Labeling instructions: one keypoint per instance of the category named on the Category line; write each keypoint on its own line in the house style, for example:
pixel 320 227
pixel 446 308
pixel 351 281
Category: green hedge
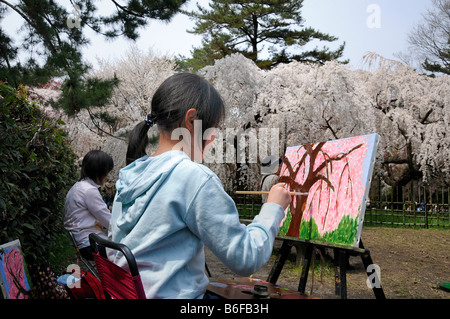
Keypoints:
pixel 36 170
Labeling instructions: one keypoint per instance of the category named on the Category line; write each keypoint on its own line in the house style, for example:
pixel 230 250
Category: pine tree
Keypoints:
pixel 55 37
pixel 246 26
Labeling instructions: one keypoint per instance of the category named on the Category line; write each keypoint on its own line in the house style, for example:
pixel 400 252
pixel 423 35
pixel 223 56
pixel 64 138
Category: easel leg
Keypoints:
pixel 279 263
pixel 340 273
pixel 367 262
pixel 305 269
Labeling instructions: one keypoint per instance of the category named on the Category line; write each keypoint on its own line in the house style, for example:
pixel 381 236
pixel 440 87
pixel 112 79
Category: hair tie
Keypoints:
pixel 148 120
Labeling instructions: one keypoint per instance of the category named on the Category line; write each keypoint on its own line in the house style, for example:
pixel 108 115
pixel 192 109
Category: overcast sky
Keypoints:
pixel 358 24
pixel 381 26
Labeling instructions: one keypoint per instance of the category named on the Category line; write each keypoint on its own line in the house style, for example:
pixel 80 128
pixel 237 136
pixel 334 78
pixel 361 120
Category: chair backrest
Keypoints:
pixel 117 282
pixel 87 263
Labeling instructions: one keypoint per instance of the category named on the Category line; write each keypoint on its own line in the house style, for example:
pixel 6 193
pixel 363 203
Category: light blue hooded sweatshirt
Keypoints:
pixel 166 208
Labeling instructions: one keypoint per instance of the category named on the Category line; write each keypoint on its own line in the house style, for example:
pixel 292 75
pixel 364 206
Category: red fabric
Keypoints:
pixel 89 288
pixel 118 282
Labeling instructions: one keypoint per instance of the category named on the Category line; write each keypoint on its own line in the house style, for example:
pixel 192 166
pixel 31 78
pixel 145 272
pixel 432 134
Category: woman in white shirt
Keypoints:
pixel 85 211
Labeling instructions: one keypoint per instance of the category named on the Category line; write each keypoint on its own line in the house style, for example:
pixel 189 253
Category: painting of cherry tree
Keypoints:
pixel 334 178
pixel 13 277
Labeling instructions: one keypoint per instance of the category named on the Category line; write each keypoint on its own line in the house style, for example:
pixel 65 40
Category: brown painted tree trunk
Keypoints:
pixel 297 215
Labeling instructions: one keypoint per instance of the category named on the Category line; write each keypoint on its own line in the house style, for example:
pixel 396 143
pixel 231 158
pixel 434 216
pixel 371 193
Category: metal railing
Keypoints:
pixel 413 206
pixel 248 205
pixel 421 207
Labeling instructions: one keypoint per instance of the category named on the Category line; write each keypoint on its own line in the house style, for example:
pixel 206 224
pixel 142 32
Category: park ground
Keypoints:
pixel 411 262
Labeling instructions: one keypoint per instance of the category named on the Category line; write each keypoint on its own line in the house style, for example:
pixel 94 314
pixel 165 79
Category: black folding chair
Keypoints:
pixel 90 265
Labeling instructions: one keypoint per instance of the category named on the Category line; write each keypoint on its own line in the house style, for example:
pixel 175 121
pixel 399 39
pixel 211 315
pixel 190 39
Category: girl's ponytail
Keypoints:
pixel 138 140
pixel 174 97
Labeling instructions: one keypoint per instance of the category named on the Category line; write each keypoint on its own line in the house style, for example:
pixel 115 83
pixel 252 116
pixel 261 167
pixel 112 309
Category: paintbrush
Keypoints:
pixel 266 193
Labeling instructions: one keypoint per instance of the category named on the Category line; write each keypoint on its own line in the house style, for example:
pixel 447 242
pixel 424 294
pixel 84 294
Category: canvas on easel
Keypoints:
pixel 13 275
pixel 336 176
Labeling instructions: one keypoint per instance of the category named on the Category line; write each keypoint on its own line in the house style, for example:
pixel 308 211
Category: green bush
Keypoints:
pixel 36 170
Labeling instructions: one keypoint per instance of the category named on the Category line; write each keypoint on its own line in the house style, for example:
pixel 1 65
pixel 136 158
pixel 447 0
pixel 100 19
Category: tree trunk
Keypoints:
pixel 297 215
pixel 254 39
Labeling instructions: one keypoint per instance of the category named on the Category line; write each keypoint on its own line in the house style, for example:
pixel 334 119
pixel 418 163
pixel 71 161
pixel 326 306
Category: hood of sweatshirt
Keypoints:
pixel 144 175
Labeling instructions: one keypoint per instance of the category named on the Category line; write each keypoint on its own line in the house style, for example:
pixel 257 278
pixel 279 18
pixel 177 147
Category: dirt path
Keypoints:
pixel 411 262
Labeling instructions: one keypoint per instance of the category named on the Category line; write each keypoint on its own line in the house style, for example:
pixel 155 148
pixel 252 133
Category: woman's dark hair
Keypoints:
pixel 96 165
pixel 170 103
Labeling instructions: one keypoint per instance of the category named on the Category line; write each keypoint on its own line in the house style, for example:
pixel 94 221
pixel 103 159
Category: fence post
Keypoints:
pixel 392 205
pixel 379 192
pixel 426 206
pixel 403 205
pixel 440 207
pixel 415 191
pixel 253 206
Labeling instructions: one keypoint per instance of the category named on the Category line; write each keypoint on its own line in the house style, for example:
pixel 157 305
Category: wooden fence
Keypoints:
pixel 414 206
pixel 421 207
pixel 248 205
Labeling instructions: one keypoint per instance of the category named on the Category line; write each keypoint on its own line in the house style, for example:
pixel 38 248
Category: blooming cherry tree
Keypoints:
pixel 311 103
pixel 139 73
pixel 412 114
pixel 306 103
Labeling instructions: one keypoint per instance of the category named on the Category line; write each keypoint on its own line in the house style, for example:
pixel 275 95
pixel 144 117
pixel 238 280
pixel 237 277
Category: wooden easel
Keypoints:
pixel 340 253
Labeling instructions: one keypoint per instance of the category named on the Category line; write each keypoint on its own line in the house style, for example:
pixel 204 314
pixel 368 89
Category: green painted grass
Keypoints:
pixel 344 234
